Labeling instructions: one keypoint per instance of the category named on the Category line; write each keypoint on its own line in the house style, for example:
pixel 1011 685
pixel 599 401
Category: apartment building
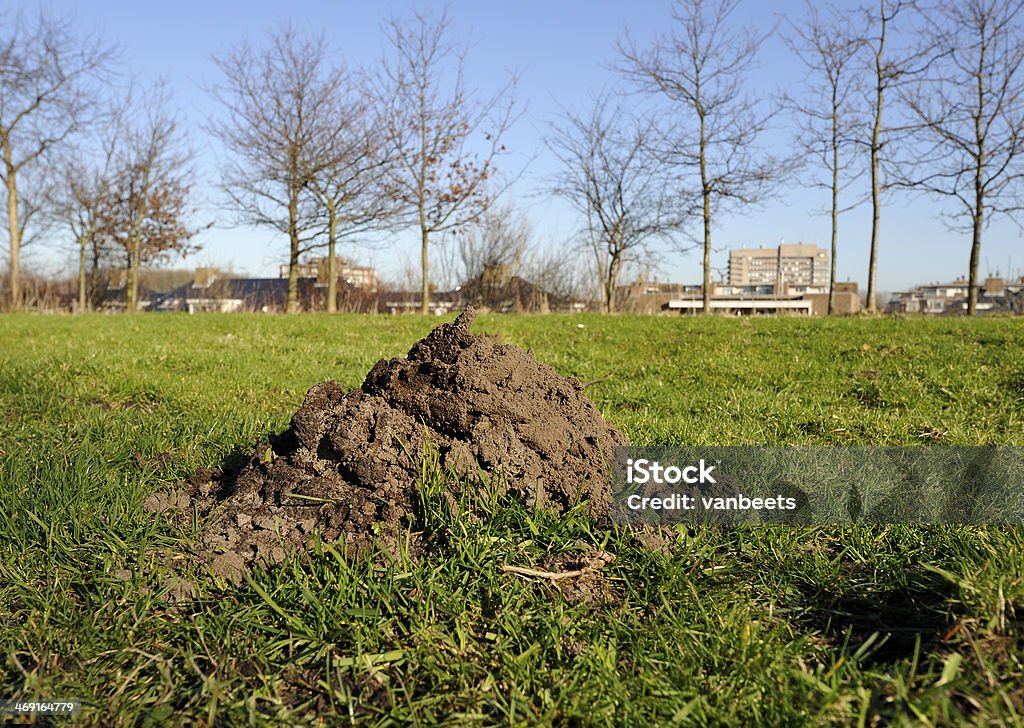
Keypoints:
pixel 801 267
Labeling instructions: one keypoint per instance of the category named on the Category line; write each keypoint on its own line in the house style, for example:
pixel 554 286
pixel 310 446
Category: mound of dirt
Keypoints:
pixel 348 466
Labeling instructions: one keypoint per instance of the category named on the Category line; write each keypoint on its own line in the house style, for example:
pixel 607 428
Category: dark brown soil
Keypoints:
pixel 347 468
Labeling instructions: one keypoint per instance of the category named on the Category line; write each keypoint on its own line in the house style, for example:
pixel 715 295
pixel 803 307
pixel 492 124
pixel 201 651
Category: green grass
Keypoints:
pixel 724 626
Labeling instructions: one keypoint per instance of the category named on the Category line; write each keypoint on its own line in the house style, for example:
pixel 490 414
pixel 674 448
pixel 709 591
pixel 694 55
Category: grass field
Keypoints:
pixel 731 626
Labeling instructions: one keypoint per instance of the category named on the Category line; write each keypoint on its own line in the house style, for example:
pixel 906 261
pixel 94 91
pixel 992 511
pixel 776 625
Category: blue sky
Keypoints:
pixel 561 50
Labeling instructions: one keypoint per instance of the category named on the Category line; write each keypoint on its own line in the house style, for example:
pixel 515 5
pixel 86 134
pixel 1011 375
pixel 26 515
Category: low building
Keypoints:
pixel 650 297
pixel 210 293
pixel 409 302
pixel 495 289
pixel 846 303
pixel 498 289
pixel 744 306
pixel 736 299
pixel 994 295
pixel 933 298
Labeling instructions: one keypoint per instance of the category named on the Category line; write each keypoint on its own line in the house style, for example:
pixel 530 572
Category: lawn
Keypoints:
pixel 701 625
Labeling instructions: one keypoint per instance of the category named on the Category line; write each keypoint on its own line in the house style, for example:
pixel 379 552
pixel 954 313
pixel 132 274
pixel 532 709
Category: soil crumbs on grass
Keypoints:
pixel 347 468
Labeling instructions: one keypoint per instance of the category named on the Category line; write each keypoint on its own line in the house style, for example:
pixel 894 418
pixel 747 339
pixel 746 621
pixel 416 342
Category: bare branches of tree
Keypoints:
pixel 490 253
pixel 700 67
pixel 125 193
pixel 311 150
pixel 275 101
pixel 347 167
pixel 622 192
pixel 84 188
pixel 449 139
pixel 970 110
pixel 827 118
pixel 47 69
pixel 152 185
pixel 87 179
pixel 888 70
pixel 566 277
pixel 498 240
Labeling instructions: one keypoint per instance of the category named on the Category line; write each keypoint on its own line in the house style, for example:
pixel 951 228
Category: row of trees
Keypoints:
pixel 938 109
pixel 111 170
pixel 313 141
pixel 897 96
pixel 315 150
pixel 126 197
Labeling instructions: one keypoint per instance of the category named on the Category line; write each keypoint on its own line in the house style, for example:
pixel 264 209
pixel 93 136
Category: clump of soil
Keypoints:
pixel 348 466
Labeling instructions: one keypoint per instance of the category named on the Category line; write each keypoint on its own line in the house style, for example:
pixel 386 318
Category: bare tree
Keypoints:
pixel 700 68
pixel 276 101
pixel 566 277
pixel 622 192
pixel 79 210
pixel 498 240
pixel 80 203
pixel 124 192
pixel 970 108
pixel 45 97
pixel 448 138
pixel 489 253
pixel 146 216
pixel 828 48
pixel 347 166
pixel 86 176
pixel 37 185
pixel 887 69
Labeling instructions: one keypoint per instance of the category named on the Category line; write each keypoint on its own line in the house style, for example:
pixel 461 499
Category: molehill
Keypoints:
pixel 349 465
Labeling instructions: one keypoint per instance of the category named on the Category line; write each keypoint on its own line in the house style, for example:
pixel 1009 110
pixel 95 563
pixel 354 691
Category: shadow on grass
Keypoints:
pixel 225 476
pixel 880 623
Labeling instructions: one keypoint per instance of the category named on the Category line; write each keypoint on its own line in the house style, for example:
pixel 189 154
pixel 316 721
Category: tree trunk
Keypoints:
pixel 981 161
pixel 706 287
pixel 609 285
pixel 94 274
pixel 875 212
pixel 14 232
pixel 972 283
pixel 136 267
pixel 835 205
pixel 977 223
pixel 135 256
pixel 425 295
pixel 83 241
pixel 332 266
pixel 876 134
pixel 706 194
pixel 131 277
pixel 292 303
